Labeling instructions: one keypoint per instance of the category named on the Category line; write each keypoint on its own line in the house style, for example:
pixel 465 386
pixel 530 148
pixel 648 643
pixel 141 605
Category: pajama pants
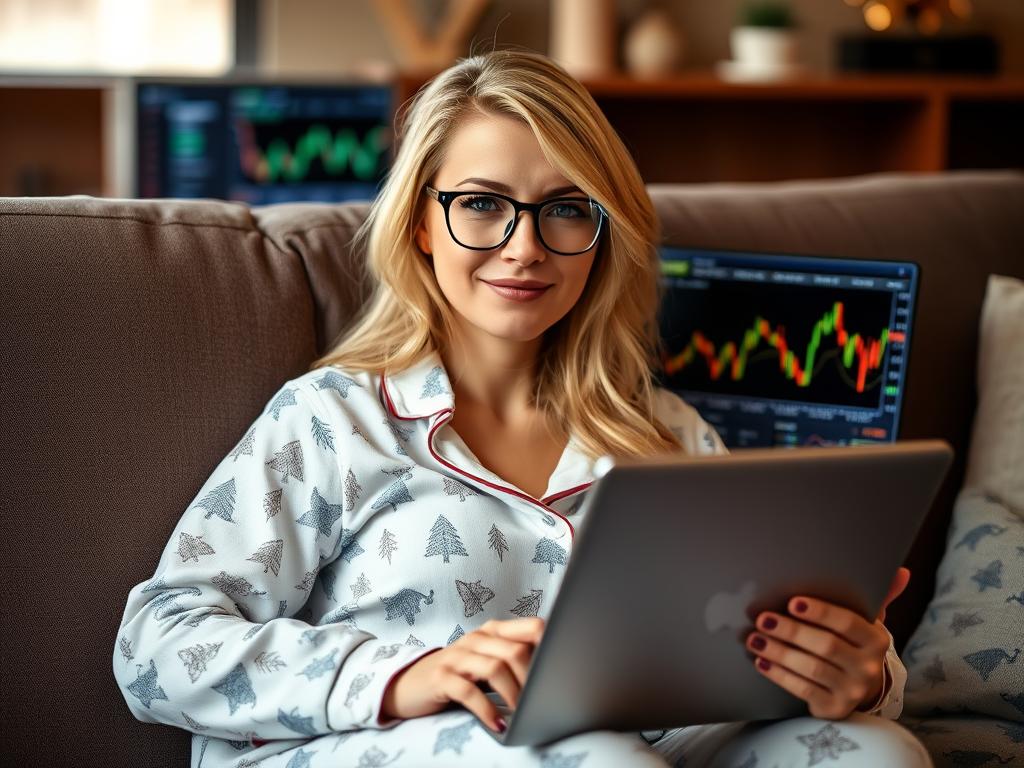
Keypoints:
pixel 455 738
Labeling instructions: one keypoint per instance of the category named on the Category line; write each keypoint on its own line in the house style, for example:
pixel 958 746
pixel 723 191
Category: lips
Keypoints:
pixel 527 285
pixel 518 290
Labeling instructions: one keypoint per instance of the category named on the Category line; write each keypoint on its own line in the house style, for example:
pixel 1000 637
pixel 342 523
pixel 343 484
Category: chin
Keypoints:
pixel 513 331
pixel 518 335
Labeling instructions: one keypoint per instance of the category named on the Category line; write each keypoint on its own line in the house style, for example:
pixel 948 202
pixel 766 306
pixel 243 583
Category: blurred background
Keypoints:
pixel 266 101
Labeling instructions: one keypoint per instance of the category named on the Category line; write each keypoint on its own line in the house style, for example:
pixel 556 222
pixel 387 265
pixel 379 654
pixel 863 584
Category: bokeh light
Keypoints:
pixel 877 16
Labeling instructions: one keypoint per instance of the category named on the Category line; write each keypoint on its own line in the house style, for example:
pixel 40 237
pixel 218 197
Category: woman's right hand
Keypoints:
pixel 498 653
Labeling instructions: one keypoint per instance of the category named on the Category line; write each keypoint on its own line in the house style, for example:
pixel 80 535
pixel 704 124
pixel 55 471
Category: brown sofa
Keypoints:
pixel 142 338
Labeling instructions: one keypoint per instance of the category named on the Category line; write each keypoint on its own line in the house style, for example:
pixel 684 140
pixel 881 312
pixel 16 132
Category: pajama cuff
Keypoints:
pixel 356 698
pixel 891 668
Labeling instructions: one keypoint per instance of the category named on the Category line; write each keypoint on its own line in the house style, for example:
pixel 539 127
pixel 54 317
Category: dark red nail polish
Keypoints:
pixel 799 606
pixel 769 623
pixel 758 643
pixel 764 664
pixel 502 725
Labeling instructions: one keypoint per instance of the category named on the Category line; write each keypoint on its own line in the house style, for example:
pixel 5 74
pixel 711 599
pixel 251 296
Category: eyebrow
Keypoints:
pixel 506 189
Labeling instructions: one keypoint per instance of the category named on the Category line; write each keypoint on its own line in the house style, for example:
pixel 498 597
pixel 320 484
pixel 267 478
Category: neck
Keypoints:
pixel 491 374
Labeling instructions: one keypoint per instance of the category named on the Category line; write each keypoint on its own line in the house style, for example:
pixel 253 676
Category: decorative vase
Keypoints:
pixel 583 36
pixel 654 44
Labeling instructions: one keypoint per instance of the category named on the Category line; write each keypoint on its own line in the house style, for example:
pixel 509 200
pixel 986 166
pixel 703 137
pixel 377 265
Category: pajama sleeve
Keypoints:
pixel 890 701
pixel 211 643
pixel 698 438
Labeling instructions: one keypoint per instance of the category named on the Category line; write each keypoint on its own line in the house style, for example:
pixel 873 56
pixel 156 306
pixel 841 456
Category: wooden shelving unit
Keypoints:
pixel 691 128
pixel 699 128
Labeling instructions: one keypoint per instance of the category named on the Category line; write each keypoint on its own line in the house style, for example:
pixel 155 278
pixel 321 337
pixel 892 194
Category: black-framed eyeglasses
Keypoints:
pixel 483 221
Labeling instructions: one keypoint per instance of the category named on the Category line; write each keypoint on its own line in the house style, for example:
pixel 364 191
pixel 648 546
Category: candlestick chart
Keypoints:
pixel 809 344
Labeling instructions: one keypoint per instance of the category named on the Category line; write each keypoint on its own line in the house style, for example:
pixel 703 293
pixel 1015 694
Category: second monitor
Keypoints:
pixel 782 350
pixel 261 142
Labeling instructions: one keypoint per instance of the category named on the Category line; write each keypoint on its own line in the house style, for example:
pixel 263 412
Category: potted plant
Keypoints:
pixel 764 42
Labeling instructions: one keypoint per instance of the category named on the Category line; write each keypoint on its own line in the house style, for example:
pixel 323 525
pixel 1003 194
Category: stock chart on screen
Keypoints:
pixel 262 143
pixel 782 350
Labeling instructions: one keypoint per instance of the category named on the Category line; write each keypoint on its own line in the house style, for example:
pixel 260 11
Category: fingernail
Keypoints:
pixel 764 664
pixel 769 623
pixel 502 725
pixel 758 643
pixel 799 606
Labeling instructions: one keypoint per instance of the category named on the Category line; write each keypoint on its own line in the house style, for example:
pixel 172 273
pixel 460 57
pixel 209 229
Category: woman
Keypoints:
pixel 369 555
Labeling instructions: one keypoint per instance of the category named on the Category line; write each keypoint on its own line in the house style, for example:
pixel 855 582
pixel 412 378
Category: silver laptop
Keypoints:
pixel 678 555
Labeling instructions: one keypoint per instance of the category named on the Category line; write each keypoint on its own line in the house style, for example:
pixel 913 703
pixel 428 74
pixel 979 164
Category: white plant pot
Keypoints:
pixel 763 48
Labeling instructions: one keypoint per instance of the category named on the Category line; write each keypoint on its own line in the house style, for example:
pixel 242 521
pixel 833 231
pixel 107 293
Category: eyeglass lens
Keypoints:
pixel 483 221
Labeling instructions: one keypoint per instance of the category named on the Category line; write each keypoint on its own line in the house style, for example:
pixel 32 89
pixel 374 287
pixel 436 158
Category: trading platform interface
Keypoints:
pixel 778 350
pixel 262 144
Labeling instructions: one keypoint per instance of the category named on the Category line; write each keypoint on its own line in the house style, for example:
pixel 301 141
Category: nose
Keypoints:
pixel 524 246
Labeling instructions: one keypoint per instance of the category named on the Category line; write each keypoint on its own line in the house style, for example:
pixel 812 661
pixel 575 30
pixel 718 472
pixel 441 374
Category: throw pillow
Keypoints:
pixel 967 655
pixel 957 742
pixel 996 459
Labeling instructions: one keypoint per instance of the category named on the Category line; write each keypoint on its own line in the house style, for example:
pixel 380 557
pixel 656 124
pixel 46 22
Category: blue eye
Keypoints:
pixel 479 203
pixel 566 211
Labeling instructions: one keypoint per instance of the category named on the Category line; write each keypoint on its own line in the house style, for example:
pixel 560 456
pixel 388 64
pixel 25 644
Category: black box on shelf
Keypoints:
pixel 976 54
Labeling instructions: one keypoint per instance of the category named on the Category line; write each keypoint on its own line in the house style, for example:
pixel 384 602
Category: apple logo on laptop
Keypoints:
pixel 729 610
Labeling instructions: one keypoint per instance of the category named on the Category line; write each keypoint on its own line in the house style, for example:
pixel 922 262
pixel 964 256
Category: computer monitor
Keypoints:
pixel 784 350
pixel 261 142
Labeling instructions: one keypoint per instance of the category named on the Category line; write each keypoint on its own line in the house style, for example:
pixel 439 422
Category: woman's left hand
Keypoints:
pixel 827 655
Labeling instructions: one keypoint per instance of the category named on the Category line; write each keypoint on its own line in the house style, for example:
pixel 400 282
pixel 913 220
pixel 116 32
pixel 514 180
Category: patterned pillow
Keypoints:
pixel 956 742
pixel 967 655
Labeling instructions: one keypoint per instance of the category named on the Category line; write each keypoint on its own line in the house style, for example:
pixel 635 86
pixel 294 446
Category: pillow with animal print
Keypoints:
pixel 965 741
pixel 967 655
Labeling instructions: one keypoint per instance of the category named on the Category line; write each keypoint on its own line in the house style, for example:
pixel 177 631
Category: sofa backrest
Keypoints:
pixel 143 337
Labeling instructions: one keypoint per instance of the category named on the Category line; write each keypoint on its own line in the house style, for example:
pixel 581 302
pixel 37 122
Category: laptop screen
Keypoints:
pixel 781 350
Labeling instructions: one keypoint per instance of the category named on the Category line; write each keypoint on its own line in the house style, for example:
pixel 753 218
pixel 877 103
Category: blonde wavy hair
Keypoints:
pixel 594 377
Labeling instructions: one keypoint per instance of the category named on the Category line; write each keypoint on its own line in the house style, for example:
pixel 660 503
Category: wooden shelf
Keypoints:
pixel 55 133
pixel 701 83
pixel 697 127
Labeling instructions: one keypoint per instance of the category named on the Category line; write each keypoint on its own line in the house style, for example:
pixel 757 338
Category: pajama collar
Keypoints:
pixel 423 391
pixel 420 391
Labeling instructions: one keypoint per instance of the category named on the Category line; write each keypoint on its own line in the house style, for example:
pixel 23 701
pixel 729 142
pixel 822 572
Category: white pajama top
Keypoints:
pixel 350 532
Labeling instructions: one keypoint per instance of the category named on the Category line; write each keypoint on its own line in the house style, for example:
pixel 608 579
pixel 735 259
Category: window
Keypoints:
pixel 193 37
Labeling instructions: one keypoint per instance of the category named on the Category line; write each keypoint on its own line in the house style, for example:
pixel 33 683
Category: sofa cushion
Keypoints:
pixel 997 440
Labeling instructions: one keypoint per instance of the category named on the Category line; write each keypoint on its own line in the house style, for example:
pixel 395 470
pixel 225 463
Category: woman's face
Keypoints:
pixel 499 154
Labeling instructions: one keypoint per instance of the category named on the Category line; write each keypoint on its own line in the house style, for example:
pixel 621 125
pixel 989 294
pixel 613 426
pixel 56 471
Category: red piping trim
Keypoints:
pixel 391 405
pixel 430 445
pixel 512 491
pixel 568 492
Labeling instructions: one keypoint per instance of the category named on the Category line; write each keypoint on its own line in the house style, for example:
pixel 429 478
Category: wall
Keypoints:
pixel 336 36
